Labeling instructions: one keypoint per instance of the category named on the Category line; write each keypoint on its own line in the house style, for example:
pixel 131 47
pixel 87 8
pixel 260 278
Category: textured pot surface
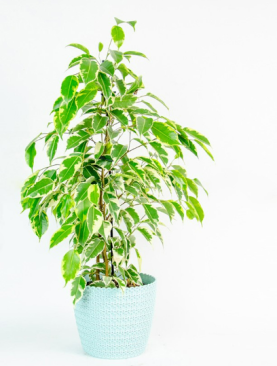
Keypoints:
pixel 113 325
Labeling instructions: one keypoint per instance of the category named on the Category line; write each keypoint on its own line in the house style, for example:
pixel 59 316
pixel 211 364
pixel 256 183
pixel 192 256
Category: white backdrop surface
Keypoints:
pixel 215 65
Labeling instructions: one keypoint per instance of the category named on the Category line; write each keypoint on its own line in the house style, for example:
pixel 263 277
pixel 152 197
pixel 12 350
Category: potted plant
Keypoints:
pixel 121 154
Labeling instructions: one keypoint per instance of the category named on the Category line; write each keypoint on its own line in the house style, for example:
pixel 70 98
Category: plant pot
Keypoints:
pixel 113 325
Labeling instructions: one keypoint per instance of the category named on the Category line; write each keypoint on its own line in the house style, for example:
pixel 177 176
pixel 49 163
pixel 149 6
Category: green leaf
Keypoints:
pixel 118 151
pixel 76 60
pixel 132 23
pixel 113 133
pixel 113 204
pixel 204 147
pixel 197 135
pixel 58 102
pixel 88 70
pixel 137 168
pixel 61 234
pixel 105 84
pixel 151 213
pixel 197 207
pixel 107 67
pixel 105 229
pixel 40 188
pixel 169 208
pixel 139 258
pixel 188 144
pixel 75 140
pixel 124 102
pixel 100 266
pixel 82 232
pixel 179 209
pixel 52 146
pixel 136 85
pixel 66 202
pixel 94 219
pixel 165 134
pixel 28 183
pixel 107 280
pixel 146 233
pixel 117 56
pixel 158 99
pixel 118 35
pixel 120 116
pixel 69 87
pixel 121 86
pixel 94 248
pixel 94 193
pixel 124 70
pixel 134 275
pixel 30 153
pixel 64 115
pixel 134 53
pixel 82 190
pixel 121 283
pixel 197 181
pixel 149 106
pixel 39 223
pixel 82 209
pixel 79 46
pixel 86 95
pixel 68 167
pixel 85 123
pixel 98 122
pixel 192 186
pixel 163 155
pixel 99 149
pixel 71 265
pixel 100 46
pixel 144 124
pixel 77 289
pixel 132 212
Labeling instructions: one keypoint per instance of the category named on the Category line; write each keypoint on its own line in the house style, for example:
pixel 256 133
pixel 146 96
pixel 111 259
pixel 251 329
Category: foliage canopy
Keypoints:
pixel 105 191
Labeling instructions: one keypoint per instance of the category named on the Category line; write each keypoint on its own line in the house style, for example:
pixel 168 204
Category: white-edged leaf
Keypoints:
pixel 165 134
pixel 61 234
pixel 98 122
pixel 157 98
pixel 93 193
pixel 82 190
pixel 105 84
pixel 69 87
pixel 107 67
pixel 52 146
pixel 94 248
pixel 197 135
pixel 71 265
pixel 118 151
pixel 77 288
pixel 79 46
pixel 86 95
pixel 118 35
pixel 69 166
pixel 75 140
pixel 40 188
pixel 88 70
pixel 94 219
pixel 144 124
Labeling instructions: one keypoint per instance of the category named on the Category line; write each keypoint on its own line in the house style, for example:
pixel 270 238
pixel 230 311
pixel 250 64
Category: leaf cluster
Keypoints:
pixel 105 191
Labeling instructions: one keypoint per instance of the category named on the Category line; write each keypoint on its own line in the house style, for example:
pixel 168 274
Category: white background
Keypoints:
pixel 215 64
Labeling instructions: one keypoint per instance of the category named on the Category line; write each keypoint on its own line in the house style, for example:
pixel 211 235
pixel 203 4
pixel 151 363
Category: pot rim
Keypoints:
pixel 137 288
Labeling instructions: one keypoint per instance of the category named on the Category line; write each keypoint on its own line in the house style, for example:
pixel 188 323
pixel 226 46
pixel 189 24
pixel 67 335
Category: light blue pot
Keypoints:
pixel 113 325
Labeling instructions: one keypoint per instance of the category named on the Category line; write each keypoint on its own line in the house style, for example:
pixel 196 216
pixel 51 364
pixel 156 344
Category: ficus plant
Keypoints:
pixel 121 154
